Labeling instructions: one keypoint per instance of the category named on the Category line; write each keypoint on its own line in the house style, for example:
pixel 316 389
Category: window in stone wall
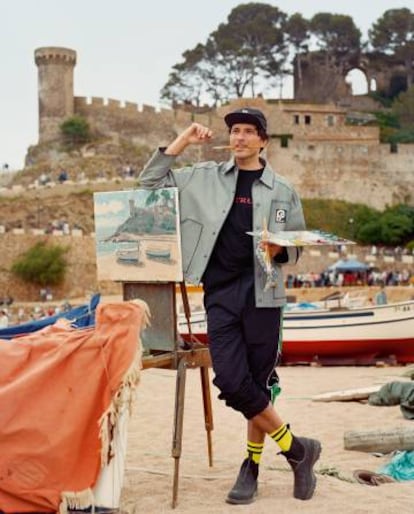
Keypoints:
pixel 308 119
pixel 394 147
pixel 330 120
pixel 296 119
pixel 284 139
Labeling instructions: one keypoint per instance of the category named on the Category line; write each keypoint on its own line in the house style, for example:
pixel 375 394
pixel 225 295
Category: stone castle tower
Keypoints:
pixel 55 85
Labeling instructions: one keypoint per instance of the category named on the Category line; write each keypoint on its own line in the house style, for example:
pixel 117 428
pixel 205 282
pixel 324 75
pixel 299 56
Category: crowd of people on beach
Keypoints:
pixel 328 278
pixel 55 178
pixel 17 314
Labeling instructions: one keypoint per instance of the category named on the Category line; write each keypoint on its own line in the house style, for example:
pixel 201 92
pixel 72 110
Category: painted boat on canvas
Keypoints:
pixel 362 335
pixel 129 255
pixel 158 252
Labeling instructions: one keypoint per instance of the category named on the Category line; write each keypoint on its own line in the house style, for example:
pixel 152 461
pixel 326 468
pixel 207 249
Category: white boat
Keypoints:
pixel 356 335
pixel 335 300
pixel 129 255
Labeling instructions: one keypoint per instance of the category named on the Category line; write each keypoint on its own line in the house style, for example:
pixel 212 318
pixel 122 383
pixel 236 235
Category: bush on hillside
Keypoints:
pixel 75 130
pixel 42 264
pixel 363 224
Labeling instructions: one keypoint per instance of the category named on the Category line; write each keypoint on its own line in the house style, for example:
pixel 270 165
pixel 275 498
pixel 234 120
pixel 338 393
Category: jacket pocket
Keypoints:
pixel 190 238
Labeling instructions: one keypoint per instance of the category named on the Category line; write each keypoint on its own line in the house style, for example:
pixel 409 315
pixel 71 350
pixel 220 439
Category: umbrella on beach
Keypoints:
pixel 344 265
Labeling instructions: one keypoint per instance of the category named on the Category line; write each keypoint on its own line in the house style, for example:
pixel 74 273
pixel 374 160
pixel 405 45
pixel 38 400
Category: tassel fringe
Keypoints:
pixel 124 397
pixel 71 500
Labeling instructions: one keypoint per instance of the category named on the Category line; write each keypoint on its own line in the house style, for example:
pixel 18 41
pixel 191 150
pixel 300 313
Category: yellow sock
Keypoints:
pixel 283 437
pixel 254 451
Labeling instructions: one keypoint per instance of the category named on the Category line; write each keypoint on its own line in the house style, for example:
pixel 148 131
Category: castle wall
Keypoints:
pixel 139 125
pixel 324 158
pixel 359 173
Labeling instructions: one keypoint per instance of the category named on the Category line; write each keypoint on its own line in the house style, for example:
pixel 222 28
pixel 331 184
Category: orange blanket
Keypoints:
pixel 57 387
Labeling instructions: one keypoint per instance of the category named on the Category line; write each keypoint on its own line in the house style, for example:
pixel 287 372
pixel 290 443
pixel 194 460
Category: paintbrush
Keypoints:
pixel 229 147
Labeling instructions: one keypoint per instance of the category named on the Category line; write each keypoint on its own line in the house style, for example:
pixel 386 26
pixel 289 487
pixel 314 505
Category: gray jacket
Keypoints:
pixel 206 194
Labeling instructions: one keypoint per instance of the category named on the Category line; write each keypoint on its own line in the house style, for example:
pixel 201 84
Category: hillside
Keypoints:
pixel 99 166
pixel 70 202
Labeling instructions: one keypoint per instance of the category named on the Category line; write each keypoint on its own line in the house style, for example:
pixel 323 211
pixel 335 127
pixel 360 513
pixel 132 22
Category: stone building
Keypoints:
pixel 310 143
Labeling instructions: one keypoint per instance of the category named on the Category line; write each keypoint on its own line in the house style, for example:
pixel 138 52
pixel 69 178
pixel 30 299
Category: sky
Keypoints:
pixel 125 49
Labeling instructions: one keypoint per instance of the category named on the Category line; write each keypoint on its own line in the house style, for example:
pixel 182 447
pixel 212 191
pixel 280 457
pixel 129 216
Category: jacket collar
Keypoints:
pixel 267 175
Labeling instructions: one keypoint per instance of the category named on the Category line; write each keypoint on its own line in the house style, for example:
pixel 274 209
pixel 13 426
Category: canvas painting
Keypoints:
pixel 138 235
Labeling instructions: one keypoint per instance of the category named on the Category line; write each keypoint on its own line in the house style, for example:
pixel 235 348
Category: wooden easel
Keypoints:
pixel 162 349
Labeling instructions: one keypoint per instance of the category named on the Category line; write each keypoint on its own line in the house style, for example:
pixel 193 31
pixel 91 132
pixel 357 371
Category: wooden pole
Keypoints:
pixel 208 411
pixel 178 425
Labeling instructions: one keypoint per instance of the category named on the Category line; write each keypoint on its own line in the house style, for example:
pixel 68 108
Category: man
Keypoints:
pixel 381 296
pixel 219 203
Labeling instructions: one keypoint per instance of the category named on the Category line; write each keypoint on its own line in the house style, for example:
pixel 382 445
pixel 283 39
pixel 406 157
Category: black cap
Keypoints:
pixel 246 115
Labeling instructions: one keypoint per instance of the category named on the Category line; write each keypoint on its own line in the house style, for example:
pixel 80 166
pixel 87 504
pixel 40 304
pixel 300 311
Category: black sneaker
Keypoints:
pixel 304 476
pixel 245 487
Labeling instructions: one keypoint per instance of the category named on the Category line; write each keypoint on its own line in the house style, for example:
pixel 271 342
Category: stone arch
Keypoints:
pixel 358 81
pixel 323 80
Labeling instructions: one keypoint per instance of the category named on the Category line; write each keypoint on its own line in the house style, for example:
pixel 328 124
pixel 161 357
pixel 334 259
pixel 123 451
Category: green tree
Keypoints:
pixel 247 51
pixel 187 82
pixel 42 265
pixel 394 226
pixel 401 136
pixel 297 28
pixel 403 108
pixel 397 125
pixel 75 130
pixel 153 198
pixel 370 232
pixel 393 33
pixel 168 200
pixel 389 125
pixel 336 34
pixel 254 39
pixel 338 40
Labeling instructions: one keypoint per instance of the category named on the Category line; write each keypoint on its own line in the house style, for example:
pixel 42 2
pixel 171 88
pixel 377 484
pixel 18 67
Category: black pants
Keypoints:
pixel 244 345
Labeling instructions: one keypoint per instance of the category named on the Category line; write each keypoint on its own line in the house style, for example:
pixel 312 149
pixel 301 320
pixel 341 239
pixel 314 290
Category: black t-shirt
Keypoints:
pixel 233 252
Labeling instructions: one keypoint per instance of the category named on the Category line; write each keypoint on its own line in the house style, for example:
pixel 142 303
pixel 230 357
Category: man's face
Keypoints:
pixel 245 140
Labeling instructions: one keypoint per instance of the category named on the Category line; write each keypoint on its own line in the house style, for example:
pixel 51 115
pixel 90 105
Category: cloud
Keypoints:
pixel 112 207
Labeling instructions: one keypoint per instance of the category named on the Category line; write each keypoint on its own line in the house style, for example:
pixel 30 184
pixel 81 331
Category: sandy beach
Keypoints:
pixel 149 465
